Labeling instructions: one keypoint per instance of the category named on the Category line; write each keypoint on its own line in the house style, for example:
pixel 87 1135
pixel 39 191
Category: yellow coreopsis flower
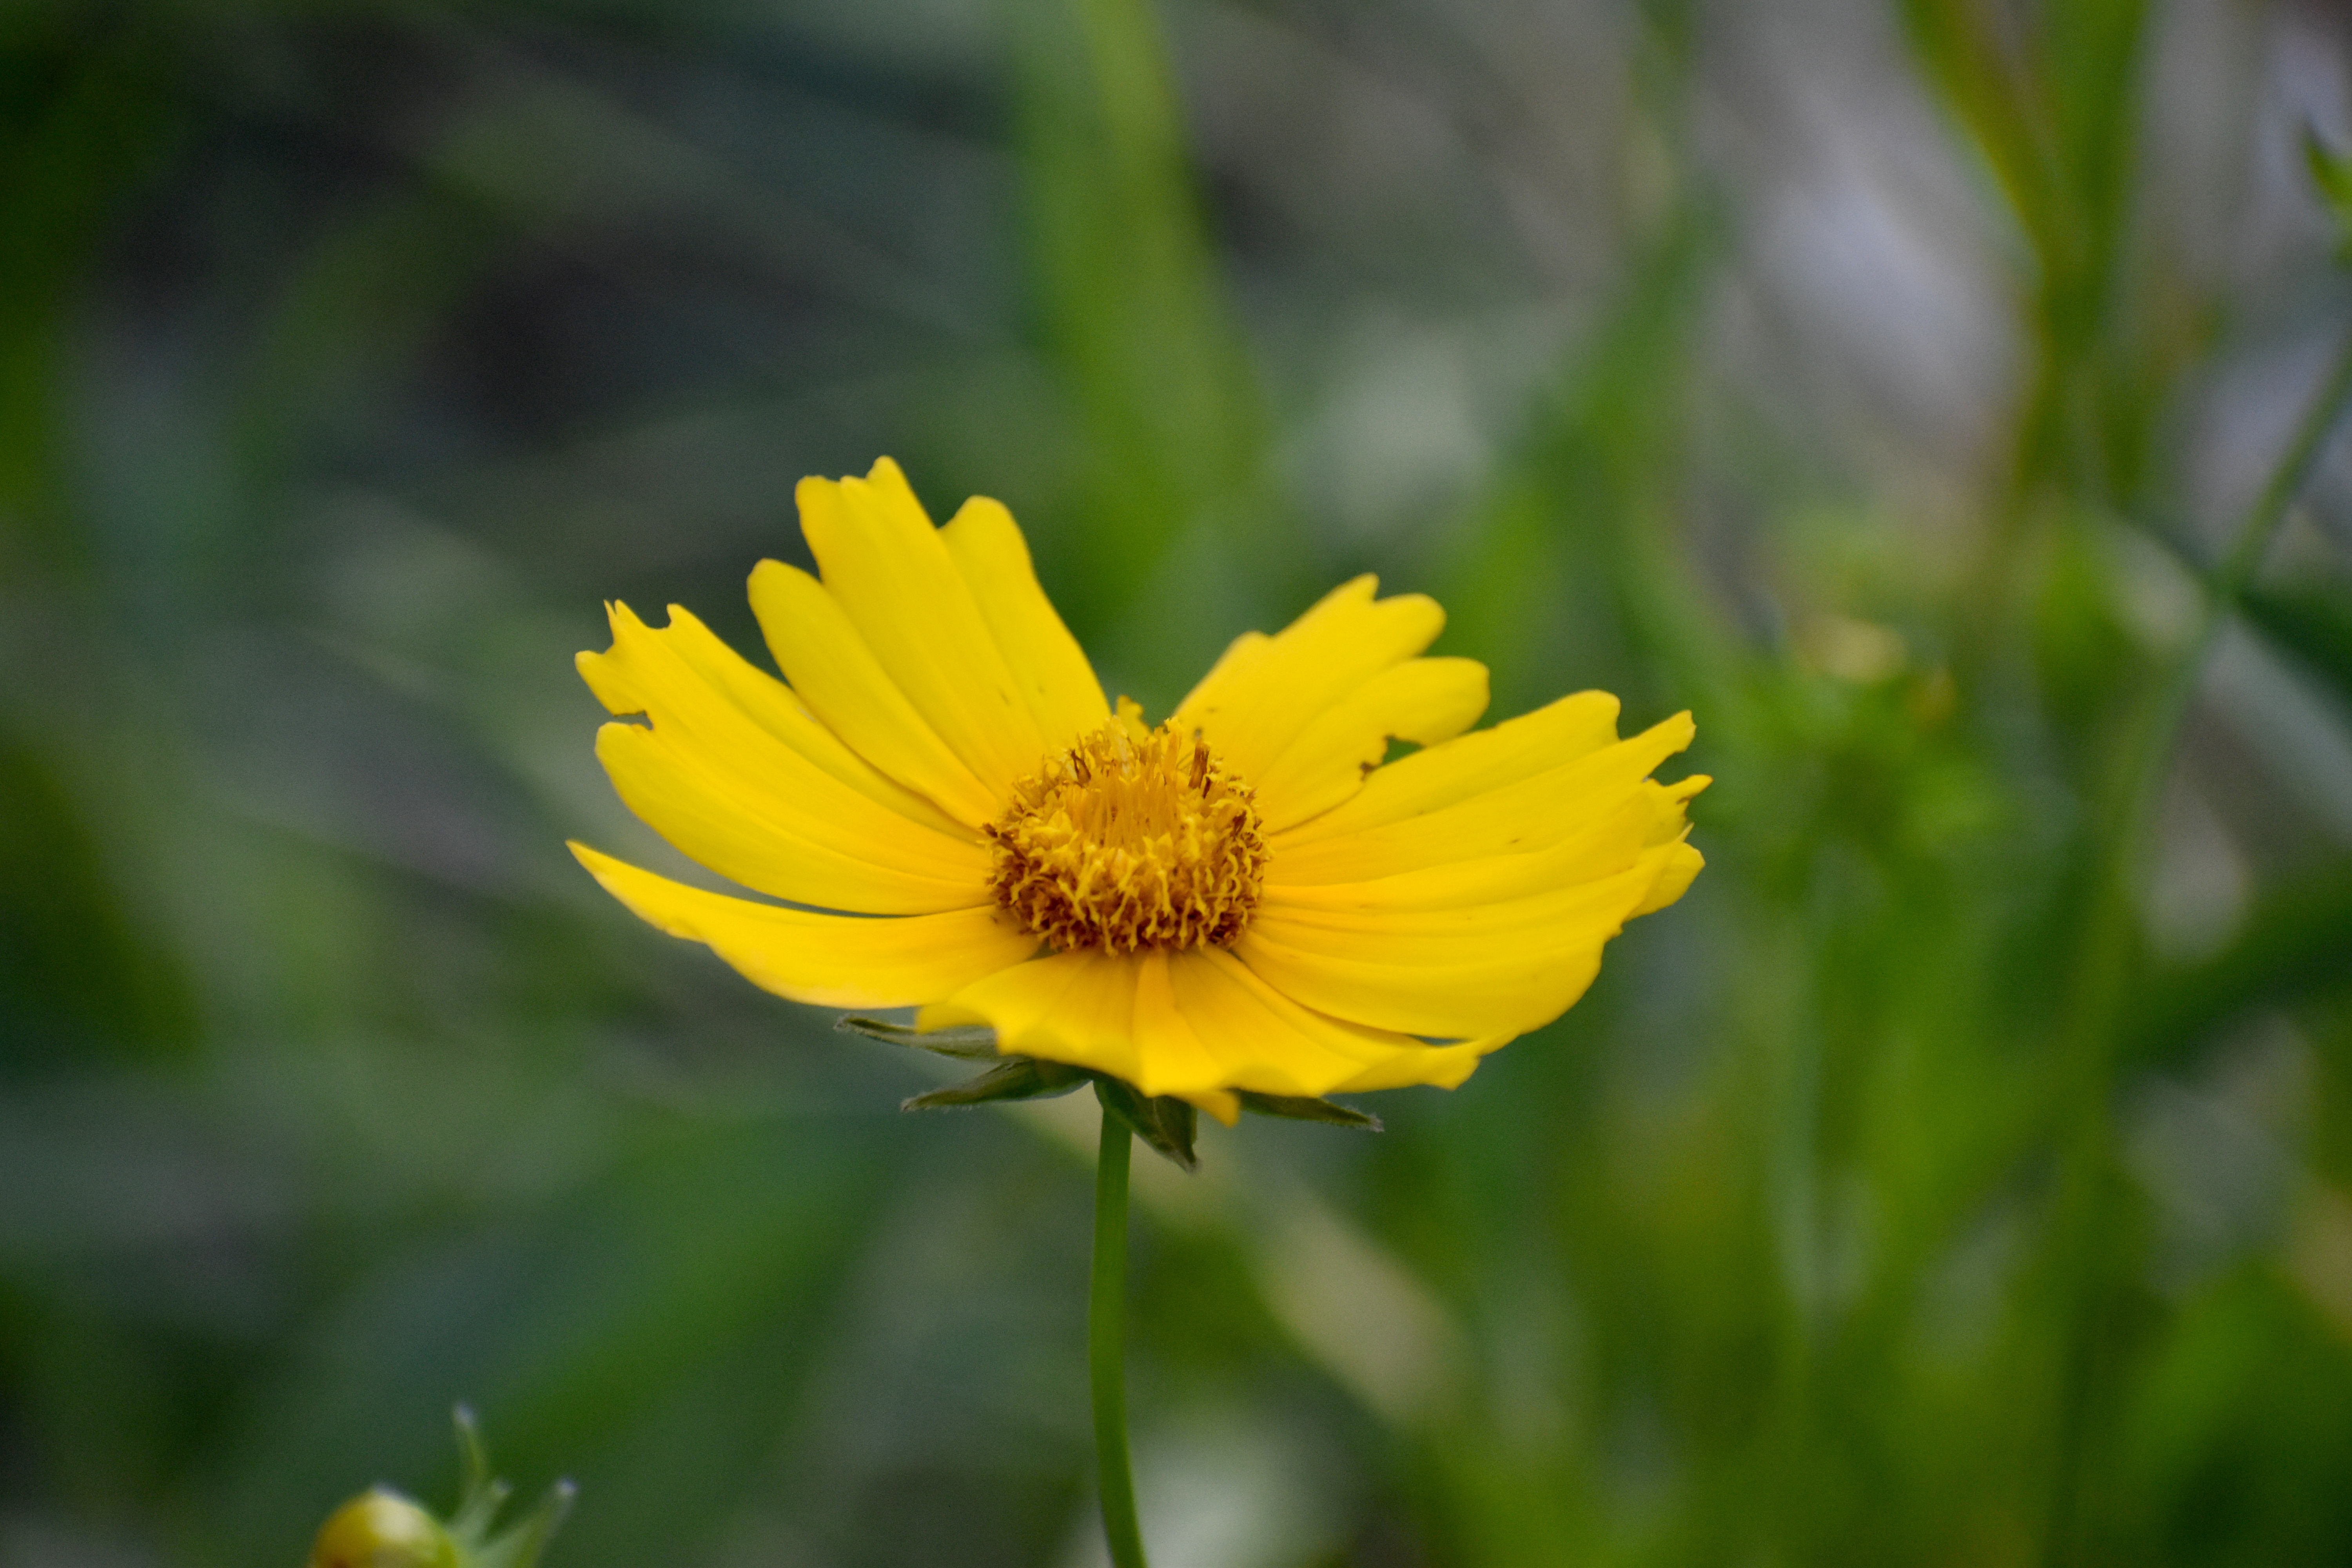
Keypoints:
pixel 1243 898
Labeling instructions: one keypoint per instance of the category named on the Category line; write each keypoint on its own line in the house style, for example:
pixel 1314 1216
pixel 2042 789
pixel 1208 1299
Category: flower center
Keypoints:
pixel 1130 839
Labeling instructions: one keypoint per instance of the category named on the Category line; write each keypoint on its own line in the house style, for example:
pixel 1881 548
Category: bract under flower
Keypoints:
pixel 1244 899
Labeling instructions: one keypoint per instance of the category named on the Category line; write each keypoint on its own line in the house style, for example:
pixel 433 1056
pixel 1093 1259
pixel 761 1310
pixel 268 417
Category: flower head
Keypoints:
pixel 1243 898
pixel 1130 841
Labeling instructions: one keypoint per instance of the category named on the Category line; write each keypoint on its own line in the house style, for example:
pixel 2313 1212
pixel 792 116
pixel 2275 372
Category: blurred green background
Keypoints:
pixel 1962 1173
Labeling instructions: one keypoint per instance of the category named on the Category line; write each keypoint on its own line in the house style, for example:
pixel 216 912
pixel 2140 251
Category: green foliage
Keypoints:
pixel 1944 405
pixel 2331 173
pixel 2312 624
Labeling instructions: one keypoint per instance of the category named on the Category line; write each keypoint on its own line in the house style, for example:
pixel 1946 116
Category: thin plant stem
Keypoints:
pixel 1106 1365
pixel 2311 442
pixel 2147 753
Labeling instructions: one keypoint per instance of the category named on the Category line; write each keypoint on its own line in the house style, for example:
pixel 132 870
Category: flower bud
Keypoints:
pixel 380 1529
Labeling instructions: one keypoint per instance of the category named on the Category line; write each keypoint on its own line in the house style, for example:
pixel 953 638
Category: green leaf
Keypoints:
pixel 2296 943
pixel 1297 1108
pixel 2331 171
pixel 2312 626
pixel 1138 323
pixel 1014 1078
pixel 1166 1124
pixel 975 1043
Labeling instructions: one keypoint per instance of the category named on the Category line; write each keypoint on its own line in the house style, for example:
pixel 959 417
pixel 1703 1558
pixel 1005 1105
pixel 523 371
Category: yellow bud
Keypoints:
pixel 380 1529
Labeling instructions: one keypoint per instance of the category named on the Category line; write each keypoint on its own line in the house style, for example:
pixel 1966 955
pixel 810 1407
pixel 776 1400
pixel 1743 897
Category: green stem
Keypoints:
pixel 2311 441
pixel 1105 1365
pixel 2147 753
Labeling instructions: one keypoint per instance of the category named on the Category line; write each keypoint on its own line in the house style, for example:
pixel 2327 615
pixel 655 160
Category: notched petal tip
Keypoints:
pixel 1678 870
pixel 885 472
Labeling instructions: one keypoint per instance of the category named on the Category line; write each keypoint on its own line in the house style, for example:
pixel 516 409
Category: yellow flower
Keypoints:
pixel 1245 898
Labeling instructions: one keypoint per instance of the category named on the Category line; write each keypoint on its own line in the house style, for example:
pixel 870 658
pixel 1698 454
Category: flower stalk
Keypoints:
pixel 1106 1365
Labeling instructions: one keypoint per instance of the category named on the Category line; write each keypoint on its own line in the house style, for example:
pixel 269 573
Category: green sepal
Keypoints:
pixel 1163 1121
pixel 518 1546
pixel 481 1494
pixel 1299 1108
pixel 1168 1125
pixel 1012 1078
pixel 2332 171
pixel 973 1043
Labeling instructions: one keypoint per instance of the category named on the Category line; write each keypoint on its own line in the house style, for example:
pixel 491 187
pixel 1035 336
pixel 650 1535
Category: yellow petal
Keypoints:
pixel 750 832
pixel 735 794
pixel 1678 794
pixel 1051 669
pixel 1105 1012
pixel 888 570
pixel 1472 764
pixel 766 700
pixel 828 663
pixel 1443 1066
pixel 1240 654
pixel 1270 1043
pixel 1264 691
pixel 1074 1007
pixel 833 961
pixel 1194 1024
pixel 1171 1052
pixel 1530 813
pixel 1669 825
pixel 1603 845
pixel 1683 865
pixel 1494 969
pixel 1424 701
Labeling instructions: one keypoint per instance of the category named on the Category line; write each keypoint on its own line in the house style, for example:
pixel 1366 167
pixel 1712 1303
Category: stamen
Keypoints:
pixel 1130 840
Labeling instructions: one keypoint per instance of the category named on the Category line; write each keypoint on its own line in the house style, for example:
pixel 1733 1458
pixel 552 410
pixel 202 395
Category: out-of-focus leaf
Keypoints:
pixel 669 1309
pixel 2331 171
pixel 2296 943
pixel 2053 102
pixel 1297 1108
pixel 82 126
pixel 1015 1077
pixel 1168 1124
pixel 78 980
pixel 1135 309
pixel 2313 626
pixel 976 1043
